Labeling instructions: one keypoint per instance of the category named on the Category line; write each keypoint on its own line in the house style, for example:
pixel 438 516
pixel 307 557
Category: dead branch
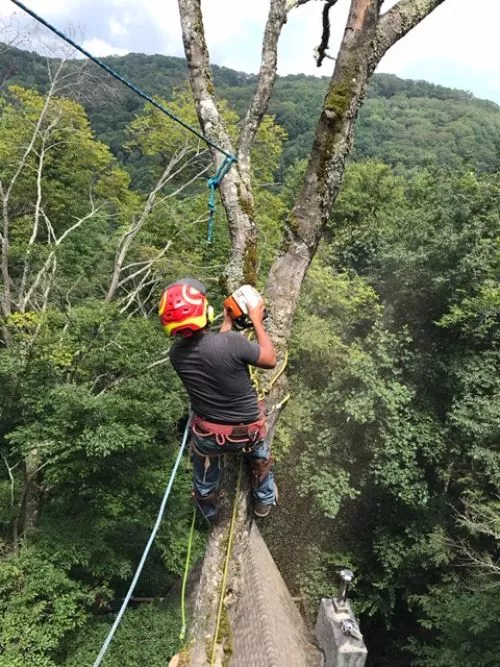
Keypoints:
pixel 12 481
pixel 325 38
pixel 147 265
pixel 48 266
pixel 143 283
pixel 142 301
pixel 169 173
pixel 38 207
pixel 482 563
pixel 481 519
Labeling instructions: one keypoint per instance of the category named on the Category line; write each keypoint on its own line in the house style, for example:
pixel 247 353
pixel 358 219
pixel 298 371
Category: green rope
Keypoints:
pixel 214 181
pixel 226 563
pixel 182 634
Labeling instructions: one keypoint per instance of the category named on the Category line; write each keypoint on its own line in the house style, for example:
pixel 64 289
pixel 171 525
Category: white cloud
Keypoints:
pixel 117 28
pixel 100 48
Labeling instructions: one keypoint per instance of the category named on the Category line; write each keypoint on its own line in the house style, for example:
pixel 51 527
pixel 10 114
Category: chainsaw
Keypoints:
pixel 238 303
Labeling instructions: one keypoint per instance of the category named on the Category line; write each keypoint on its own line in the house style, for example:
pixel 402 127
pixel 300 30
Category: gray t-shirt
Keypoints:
pixel 213 369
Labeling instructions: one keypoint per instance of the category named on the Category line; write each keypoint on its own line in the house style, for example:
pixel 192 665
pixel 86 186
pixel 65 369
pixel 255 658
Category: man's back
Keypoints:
pixel 213 368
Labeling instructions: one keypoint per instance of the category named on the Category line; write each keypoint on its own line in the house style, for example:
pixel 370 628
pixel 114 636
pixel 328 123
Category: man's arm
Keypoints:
pixel 227 324
pixel 267 355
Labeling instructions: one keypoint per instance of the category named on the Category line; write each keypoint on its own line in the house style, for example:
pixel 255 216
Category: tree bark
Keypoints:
pixel 366 40
pixel 267 75
pixel 235 189
pixel 398 21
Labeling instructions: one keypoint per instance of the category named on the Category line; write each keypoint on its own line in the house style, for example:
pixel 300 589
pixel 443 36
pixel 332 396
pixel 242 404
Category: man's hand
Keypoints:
pixel 267 356
pixel 256 313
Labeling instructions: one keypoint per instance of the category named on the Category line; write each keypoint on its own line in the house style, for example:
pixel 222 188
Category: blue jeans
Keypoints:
pixel 206 458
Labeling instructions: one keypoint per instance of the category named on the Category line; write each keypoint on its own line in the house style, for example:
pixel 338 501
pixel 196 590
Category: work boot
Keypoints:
pixel 208 506
pixel 261 510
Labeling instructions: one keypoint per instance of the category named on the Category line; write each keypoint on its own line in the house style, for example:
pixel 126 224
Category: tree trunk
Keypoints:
pixel 325 169
pixel 366 39
pixel 235 189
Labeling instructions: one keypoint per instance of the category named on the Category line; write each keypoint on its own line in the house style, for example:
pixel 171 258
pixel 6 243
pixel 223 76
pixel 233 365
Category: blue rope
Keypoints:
pixel 126 82
pixel 213 183
pixel 146 550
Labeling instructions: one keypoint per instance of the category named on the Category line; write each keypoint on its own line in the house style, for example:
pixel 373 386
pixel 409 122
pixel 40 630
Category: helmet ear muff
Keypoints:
pixel 210 314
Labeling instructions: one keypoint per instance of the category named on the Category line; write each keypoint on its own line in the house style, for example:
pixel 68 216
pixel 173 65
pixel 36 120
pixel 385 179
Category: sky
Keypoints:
pixel 456 46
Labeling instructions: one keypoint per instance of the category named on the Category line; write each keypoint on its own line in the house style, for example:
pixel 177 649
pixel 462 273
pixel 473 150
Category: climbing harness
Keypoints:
pixel 138 571
pixel 232 433
pixel 213 182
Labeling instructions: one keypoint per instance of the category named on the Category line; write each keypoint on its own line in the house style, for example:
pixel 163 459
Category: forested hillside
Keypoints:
pixel 404 123
pixel 388 450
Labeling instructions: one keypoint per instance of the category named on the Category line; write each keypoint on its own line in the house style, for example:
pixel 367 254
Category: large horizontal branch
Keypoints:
pixel 396 22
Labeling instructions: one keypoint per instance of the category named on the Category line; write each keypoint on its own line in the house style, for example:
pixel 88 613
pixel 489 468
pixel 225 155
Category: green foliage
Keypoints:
pixel 395 414
pixel 89 408
pixel 73 162
pixel 148 635
pixel 459 623
pixel 90 405
pixel 40 605
pixel 404 123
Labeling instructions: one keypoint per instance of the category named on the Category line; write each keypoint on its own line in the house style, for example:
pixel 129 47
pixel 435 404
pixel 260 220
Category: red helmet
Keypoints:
pixel 184 308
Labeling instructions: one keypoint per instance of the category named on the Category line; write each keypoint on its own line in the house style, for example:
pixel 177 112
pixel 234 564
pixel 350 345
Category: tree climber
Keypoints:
pixel 213 367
